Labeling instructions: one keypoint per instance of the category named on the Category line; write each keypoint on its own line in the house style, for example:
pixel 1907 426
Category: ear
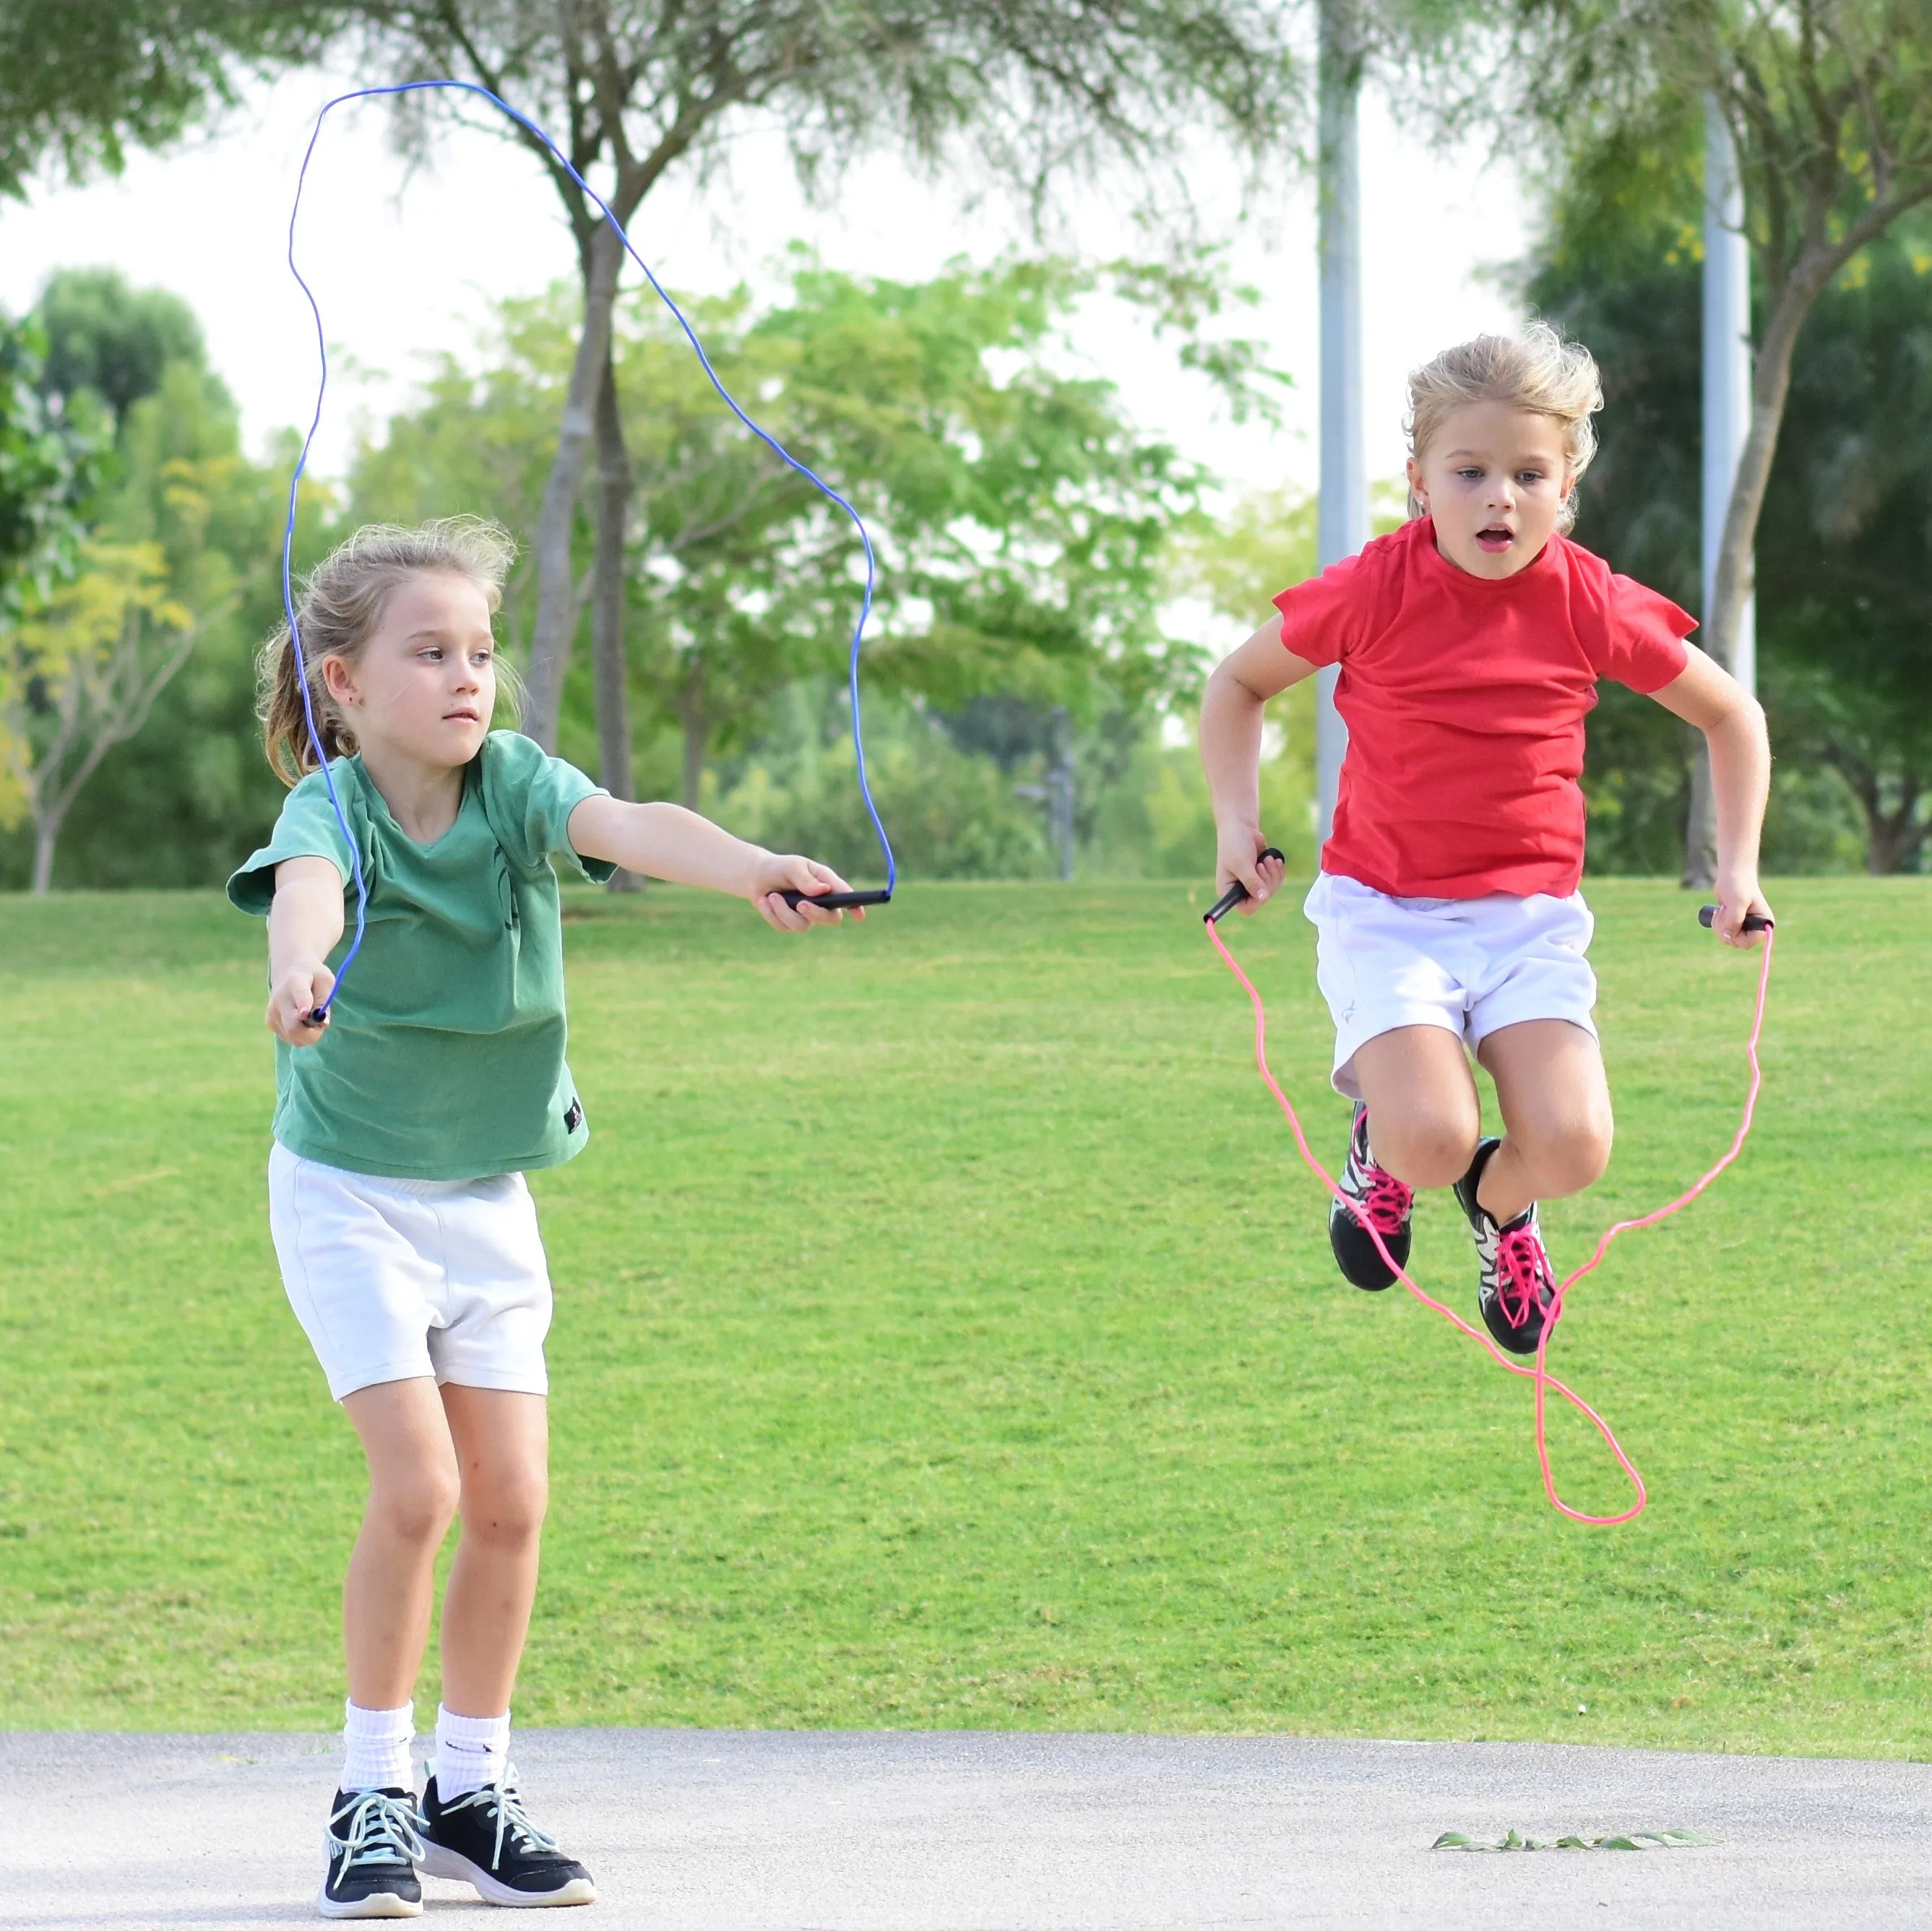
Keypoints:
pixel 337 681
pixel 1417 487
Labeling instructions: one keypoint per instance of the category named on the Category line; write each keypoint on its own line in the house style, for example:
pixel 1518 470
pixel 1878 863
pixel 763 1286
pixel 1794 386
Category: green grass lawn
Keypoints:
pixel 946 1335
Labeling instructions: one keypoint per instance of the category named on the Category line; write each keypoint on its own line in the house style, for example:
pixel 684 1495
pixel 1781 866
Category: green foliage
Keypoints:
pixel 947 1337
pixel 178 802
pixel 950 814
pixel 48 468
pixel 81 79
pixel 1033 94
pixel 1021 525
pixel 112 341
pixel 1845 545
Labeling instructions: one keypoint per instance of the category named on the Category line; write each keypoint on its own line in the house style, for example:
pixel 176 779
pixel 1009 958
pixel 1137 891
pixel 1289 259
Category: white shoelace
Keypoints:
pixel 512 1820
pixel 382 1831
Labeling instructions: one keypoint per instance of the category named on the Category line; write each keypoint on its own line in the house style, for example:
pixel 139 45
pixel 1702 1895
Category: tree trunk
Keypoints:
pixel 47 829
pixel 1059 785
pixel 609 665
pixel 1892 838
pixel 697 734
pixel 1737 570
pixel 556 623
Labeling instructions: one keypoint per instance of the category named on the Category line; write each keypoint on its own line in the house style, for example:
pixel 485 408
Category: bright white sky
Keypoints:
pixel 404 264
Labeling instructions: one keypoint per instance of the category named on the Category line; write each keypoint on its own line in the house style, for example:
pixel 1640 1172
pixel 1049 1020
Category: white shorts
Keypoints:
pixel 1471 966
pixel 393 1278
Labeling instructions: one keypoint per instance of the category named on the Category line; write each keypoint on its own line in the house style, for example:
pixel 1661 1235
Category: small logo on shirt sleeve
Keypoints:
pixel 573 1115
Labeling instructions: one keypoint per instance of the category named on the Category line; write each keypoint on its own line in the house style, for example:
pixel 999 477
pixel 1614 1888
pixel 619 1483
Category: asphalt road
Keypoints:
pixel 981 1831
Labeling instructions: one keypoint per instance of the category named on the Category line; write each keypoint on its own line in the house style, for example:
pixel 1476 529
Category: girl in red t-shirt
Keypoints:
pixel 1469 645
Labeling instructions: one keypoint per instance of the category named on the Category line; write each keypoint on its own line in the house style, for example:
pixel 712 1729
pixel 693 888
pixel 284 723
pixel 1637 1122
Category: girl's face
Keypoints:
pixel 424 685
pixel 1494 478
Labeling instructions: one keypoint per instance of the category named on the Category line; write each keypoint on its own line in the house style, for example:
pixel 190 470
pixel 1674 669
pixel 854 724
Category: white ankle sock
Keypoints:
pixel 375 1745
pixel 470 1752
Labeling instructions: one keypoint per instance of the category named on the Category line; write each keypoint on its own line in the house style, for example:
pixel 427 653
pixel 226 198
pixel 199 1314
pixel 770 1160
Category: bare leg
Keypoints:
pixel 1423 1117
pixel 1556 1115
pixel 413 1495
pixel 502 1446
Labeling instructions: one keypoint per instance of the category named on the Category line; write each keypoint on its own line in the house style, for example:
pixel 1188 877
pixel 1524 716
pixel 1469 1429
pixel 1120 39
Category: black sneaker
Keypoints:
pixel 484 1838
pixel 1380 1199
pixel 372 1847
pixel 1517 1287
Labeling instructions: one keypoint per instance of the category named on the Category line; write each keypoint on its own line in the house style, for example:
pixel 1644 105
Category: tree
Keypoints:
pixel 1846 626
pixel 641 87
pixel 1847 542
pixel 48 468
pixel 172 803
pixel 79 676
pixel 111 340
pixel 1829 103
pixel 1020 519
pixel 81 80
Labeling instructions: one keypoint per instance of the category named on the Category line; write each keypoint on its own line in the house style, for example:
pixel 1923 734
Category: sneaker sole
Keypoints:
pixel 377 1904
pixel 1341 1224
pixel 1511 1338
pixel 438 1861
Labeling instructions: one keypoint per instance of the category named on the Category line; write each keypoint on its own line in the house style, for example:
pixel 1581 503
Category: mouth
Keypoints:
pixel 465 716
pixel 1496 538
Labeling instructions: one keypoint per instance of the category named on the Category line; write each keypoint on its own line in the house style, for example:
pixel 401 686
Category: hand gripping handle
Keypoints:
pixel 1236 892
pixel 1707 917
pixel 834 902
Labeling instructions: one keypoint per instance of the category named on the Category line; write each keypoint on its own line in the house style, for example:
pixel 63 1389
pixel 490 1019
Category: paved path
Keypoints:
pixel 779 1831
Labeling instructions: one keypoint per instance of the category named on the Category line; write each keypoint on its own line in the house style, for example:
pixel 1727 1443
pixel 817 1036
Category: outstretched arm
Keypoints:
pixel 1231 755
pixel 1705 695
pixel 668 841
pixel 305 922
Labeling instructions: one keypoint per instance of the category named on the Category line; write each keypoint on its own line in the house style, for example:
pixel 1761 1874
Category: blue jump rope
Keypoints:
pixel 829 899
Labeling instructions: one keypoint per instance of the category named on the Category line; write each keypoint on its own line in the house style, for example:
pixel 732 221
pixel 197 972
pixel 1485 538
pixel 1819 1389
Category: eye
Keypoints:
pixel 1529 476
pixel 431 653
pixel 1470 475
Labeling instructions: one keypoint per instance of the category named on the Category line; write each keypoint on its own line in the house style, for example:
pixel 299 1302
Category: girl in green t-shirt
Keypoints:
pixel 404 1123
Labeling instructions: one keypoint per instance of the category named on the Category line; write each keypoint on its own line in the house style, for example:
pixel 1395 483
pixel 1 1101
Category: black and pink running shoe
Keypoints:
pixel 1517 1287
pixel 1380 1200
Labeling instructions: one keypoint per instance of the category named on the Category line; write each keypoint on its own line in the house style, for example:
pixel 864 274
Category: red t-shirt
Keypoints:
pixel 1465 698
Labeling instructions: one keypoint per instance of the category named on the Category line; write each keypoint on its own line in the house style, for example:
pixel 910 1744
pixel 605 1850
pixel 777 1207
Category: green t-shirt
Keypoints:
pixel 443 1060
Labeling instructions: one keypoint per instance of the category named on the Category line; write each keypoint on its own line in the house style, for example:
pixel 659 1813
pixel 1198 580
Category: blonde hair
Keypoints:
pixel 1537 370
pixel 342 602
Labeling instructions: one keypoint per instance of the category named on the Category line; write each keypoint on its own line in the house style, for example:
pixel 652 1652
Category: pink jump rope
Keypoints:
pixel 1545 1381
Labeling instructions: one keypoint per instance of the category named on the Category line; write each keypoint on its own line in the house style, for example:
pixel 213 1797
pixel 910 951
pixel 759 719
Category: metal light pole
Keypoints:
pixel 1343 522
pixel 1727 364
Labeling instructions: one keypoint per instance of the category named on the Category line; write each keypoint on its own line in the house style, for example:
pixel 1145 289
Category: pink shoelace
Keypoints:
pixel 1546 1382
pixel 1523 1271
pixel 1388 1202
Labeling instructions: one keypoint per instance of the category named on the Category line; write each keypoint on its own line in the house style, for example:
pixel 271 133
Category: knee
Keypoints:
pixel 418 1507
pixel 1424 1149
pixel 508 1508
pixel 1568 1162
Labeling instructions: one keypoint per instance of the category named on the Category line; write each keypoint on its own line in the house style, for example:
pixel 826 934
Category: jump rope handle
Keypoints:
pixel 1236 892
pixel 835 902
pixel 1707 917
